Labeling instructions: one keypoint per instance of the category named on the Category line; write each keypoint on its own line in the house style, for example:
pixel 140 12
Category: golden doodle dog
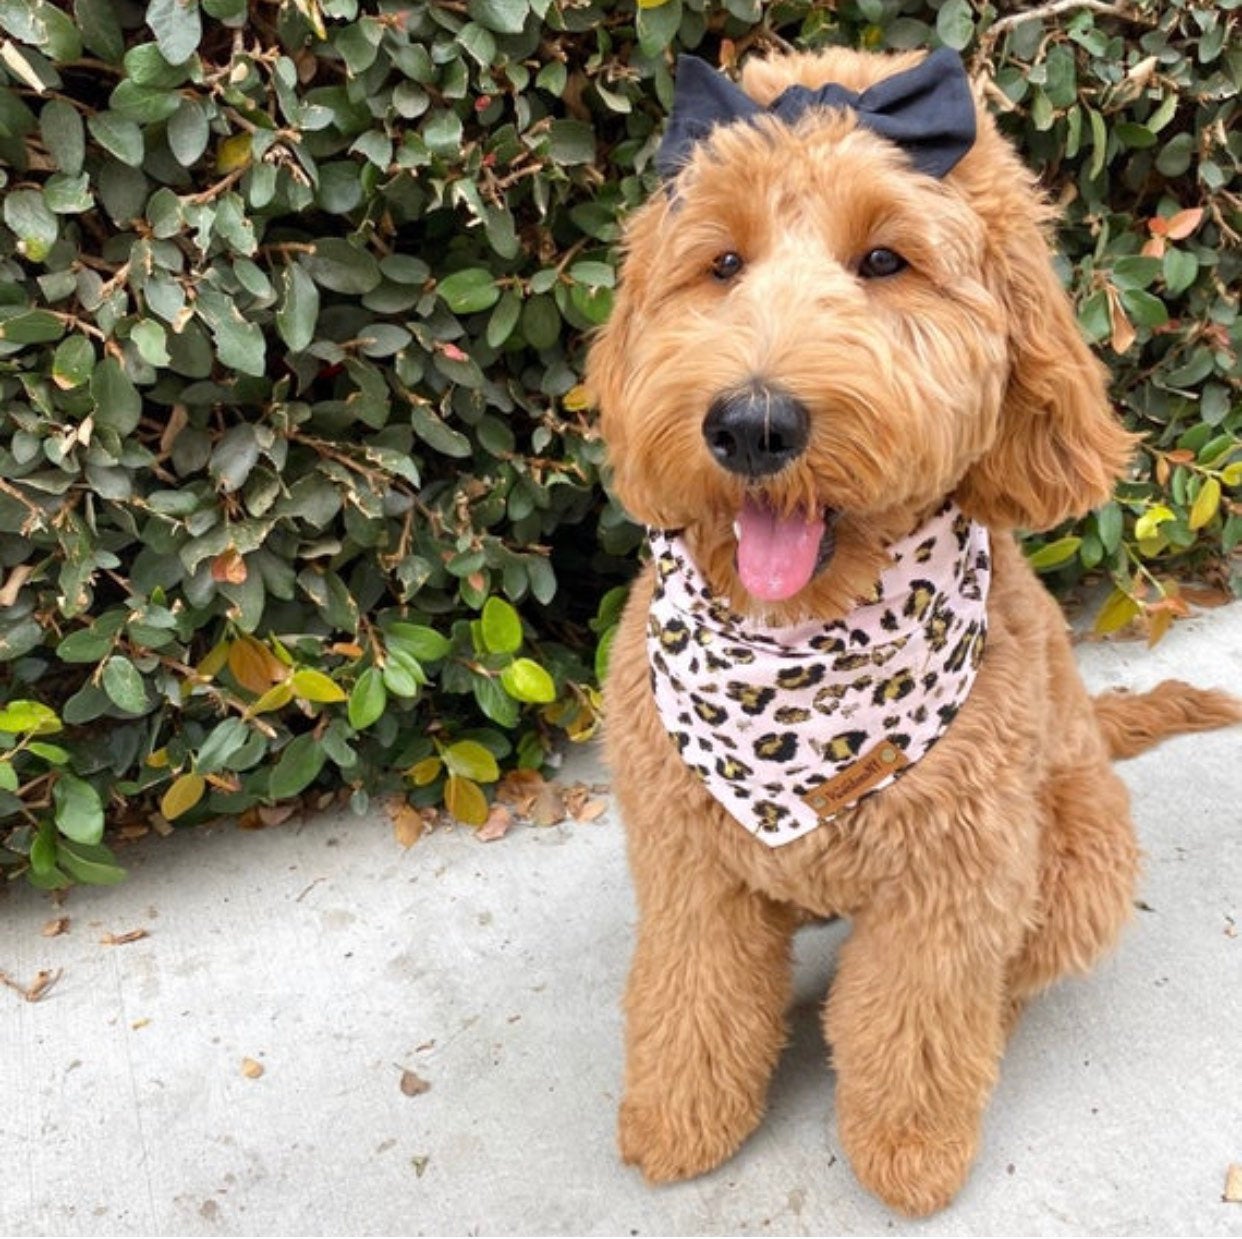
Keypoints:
pixel 840 372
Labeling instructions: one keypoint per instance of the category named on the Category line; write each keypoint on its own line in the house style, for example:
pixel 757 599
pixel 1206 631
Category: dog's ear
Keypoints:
pixel 1059 449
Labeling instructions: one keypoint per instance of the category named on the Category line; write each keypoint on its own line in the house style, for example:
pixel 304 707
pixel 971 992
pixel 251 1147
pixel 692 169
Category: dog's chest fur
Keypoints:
pixel 789 727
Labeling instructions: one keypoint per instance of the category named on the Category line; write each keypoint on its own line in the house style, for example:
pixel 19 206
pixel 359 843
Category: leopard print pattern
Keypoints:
pixel 766 715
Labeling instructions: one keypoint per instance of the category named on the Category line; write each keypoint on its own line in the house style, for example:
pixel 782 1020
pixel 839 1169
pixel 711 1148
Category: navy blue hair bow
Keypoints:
pixel 928 111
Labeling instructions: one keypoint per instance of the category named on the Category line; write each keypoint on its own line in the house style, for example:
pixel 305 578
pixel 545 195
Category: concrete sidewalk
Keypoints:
pixel 493 972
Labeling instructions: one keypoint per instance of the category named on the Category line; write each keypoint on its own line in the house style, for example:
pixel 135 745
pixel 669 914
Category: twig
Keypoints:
pixel 1054 8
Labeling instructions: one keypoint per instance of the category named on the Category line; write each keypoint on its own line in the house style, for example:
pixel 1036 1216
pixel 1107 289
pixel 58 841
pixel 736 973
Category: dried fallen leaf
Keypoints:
pixel 44 980
pixel 548 808
pixel 499 819
pixel 419 1163
pixel 1233 1185
pixel 408 824
pixel 275 814
pixel 142 1023
pixel 160 825
pixel 251 1069
pixel 591 810
pixel 519 789
pixel 412 1084
pixel 132 935
pixel 55 927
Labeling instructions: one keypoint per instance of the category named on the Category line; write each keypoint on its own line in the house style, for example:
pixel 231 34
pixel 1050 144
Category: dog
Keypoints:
pixel 839 374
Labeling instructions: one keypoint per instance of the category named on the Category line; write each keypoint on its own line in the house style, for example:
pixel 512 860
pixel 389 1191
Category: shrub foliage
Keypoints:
pixel 297 483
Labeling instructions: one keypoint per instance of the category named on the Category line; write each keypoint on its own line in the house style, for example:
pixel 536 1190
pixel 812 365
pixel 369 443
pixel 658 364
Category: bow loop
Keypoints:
pixel 928 111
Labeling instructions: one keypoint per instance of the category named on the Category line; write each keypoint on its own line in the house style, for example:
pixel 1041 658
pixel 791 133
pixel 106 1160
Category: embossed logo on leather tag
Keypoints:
pixel 855 781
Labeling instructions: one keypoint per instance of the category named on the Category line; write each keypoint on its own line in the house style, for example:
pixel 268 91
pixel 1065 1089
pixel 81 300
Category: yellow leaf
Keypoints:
pixel 313 685
pixel 158 759
pixel 651 4
pixel 233 153
pixel 1117 612
pixel 1151 520
pixel 276 698
pixel 1232 474
pixel 1206 503
pixel 576 399
pixel 214 659
pixel 182 795
pixel 423 772
pixel 464 799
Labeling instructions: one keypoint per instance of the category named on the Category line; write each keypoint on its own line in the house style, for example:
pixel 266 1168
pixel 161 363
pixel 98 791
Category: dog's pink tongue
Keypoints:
pixel 776 555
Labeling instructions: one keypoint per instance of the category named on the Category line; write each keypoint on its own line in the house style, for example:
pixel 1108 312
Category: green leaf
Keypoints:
pixel 21 717
pixel 117 402
pixel 32 222
pixel 122 681
pixel 8 776
pixel 151 341
pixel 300 763
pixel 31 327
pixel 470 760
pixel 73 362
pixel 64 135
pixel 188 132
pixel 573 141
pixel 51 753
pixel 93 864
pixel 223 741
pixel 101 28
pixel 177 27
pixel 955 24
pixel 118 136
pixel 77 809
pixel 239 341
pixel 368 699
pixel 658 25
pixel 147 105
pixel 502 16
pixel 342 267
pixel 299 309
pixel 1054 554
pixel 501 626
pixel 525 680
pixel 1145 309
pixel 422 643
pixel 467 292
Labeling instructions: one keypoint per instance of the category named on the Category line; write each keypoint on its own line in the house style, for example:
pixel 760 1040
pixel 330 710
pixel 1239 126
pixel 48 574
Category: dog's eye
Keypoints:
pixel 725 266
pixel 878 263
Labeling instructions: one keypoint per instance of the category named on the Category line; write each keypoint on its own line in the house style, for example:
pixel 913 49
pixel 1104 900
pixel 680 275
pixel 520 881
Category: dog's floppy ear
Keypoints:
pixel 1059 449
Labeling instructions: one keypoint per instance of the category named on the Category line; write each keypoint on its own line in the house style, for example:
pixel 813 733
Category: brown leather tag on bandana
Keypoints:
pixel 855 781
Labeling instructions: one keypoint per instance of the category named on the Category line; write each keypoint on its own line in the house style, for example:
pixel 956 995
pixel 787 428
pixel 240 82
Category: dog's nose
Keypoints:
pixel 756 432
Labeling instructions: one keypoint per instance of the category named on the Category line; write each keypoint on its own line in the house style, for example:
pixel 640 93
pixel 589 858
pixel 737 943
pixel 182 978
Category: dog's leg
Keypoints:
pixel 705 1008
pixel 915 1021
pixel 1089 865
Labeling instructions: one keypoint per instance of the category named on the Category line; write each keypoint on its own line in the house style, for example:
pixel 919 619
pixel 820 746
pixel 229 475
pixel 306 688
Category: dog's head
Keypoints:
pixel 813 343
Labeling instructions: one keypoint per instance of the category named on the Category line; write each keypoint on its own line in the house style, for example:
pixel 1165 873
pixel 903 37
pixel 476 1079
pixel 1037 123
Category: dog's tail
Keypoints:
pixel 1133 722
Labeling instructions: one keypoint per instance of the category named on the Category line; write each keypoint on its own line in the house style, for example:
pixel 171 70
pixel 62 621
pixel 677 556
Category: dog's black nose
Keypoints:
pixel 757 431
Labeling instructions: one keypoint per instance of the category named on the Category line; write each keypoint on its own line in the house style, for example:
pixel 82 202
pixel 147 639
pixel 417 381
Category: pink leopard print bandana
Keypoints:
pixel 789 727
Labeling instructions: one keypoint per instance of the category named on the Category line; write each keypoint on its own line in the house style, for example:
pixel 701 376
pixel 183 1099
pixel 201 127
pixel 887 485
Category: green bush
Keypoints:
pixel 297 482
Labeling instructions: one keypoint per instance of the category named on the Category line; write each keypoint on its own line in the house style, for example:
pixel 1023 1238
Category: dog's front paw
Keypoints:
pixel 667 1145
pixel 917 1171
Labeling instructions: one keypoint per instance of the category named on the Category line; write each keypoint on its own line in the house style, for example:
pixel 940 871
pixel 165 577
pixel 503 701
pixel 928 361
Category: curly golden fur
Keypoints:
pixel 1006 857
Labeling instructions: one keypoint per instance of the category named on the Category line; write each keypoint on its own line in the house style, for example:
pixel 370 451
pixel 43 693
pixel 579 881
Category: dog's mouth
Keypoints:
pixel 779 554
